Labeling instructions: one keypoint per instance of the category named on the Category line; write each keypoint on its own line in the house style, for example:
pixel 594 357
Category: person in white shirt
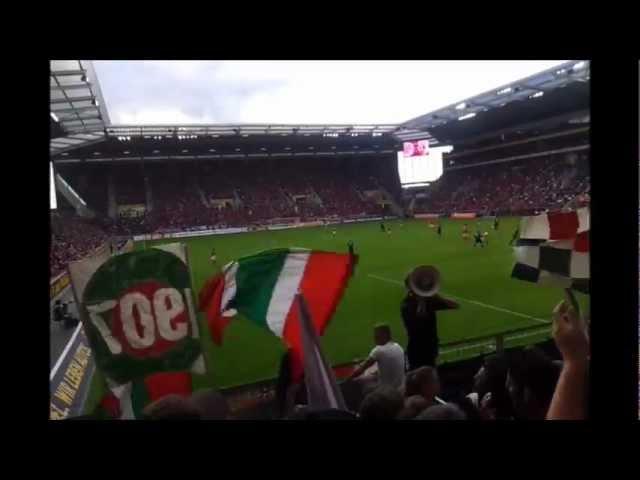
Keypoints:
pixel 388 356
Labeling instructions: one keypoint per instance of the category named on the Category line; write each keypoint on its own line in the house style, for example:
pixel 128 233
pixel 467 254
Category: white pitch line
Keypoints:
pixel 485 305
pixel 64 352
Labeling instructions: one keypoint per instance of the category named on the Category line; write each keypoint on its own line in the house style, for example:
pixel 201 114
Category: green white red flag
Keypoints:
pixel 262 288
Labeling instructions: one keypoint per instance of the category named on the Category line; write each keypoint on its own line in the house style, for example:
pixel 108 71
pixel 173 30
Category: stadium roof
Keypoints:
pixel 78 111
pixel 528 99
pixel 82 118
pixel 246 130
pixel 149 143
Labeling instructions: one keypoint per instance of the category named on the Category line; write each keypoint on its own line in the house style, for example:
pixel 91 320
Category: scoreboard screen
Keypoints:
pixel 418 163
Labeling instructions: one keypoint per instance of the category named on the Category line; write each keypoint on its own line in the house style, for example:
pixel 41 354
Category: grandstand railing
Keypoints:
pixel 450 352
pixel 494 343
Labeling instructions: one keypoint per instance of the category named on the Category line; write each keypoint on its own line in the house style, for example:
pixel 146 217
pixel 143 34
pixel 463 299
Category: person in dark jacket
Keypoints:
pixel 418 311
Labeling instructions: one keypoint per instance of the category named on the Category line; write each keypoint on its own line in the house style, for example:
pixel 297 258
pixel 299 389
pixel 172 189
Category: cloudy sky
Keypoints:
pixel 147 92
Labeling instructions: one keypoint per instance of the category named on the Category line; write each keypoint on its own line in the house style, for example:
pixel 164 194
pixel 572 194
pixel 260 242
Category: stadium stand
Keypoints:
pixel 90 182
pixel 71 239
pixel 514 173
pixel 516 187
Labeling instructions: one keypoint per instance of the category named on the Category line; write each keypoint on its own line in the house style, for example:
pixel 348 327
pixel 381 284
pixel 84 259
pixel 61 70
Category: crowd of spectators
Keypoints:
pixel 71 239
pixel 90 183
pixel 518 384
pixel 254 193
pixel 508 188
pixel 524 383
pixel 130 187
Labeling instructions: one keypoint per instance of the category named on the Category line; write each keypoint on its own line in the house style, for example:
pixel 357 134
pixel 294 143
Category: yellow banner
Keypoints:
pixel 59 284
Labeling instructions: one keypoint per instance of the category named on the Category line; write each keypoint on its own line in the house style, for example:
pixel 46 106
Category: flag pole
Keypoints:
pixel 322 387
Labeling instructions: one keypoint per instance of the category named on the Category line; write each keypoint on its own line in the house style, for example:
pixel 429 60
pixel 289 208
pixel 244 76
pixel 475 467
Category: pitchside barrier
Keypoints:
pixel 276 226
pixel 59 285
pixel 463 215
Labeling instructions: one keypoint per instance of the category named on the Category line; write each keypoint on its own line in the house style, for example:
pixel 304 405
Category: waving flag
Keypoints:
pixel 262 288
pixel 138 313
pixel 553 249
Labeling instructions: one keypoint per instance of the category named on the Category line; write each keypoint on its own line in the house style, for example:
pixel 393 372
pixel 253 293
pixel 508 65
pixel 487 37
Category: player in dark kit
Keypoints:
pixel 382 228
pixel 495 223
pixel 515 236
pixel 439 230
pixel 477 239
pixel 352 255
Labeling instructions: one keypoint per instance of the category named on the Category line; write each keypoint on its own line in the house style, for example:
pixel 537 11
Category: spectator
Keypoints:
pixel 569 400
pixel 172 407
pixel 413 406
pixel 331 414
pixel 201 405
pixel 442 412
pixel 383 403
pixel 419 315
pixel 285 389
pixel 423 382
pixel 211 404
pixel 531 381
pixel 489 391
pixel 388 356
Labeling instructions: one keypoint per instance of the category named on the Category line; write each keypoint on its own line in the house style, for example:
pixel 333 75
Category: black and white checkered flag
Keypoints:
pixel 553 249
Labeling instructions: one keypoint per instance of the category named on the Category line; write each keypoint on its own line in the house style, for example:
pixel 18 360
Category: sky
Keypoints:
pixel 364 92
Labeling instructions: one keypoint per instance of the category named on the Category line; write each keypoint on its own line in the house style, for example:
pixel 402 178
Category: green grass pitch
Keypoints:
pixel 479 278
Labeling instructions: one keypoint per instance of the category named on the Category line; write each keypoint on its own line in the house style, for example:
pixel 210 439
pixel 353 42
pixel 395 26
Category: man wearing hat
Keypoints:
pixel 419 315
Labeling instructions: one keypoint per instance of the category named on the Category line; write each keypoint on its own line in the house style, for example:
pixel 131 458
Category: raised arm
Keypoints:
pixel 446 304
pixel 569 333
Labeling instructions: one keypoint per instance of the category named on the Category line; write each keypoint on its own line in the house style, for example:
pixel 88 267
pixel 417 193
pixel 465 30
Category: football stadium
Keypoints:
pixel 258 264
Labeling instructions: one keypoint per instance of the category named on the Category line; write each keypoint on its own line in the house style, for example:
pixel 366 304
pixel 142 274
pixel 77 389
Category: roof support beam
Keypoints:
pixel 67 100
pixel 63 73
pixel 73 118
pixel 74 110
pixel 75 86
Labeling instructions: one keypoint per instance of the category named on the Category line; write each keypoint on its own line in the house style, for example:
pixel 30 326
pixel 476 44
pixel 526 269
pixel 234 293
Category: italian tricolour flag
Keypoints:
pixel 262 288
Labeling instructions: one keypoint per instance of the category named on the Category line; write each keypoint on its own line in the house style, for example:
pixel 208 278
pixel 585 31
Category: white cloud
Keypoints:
pixel 148 116
pixel 296 92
